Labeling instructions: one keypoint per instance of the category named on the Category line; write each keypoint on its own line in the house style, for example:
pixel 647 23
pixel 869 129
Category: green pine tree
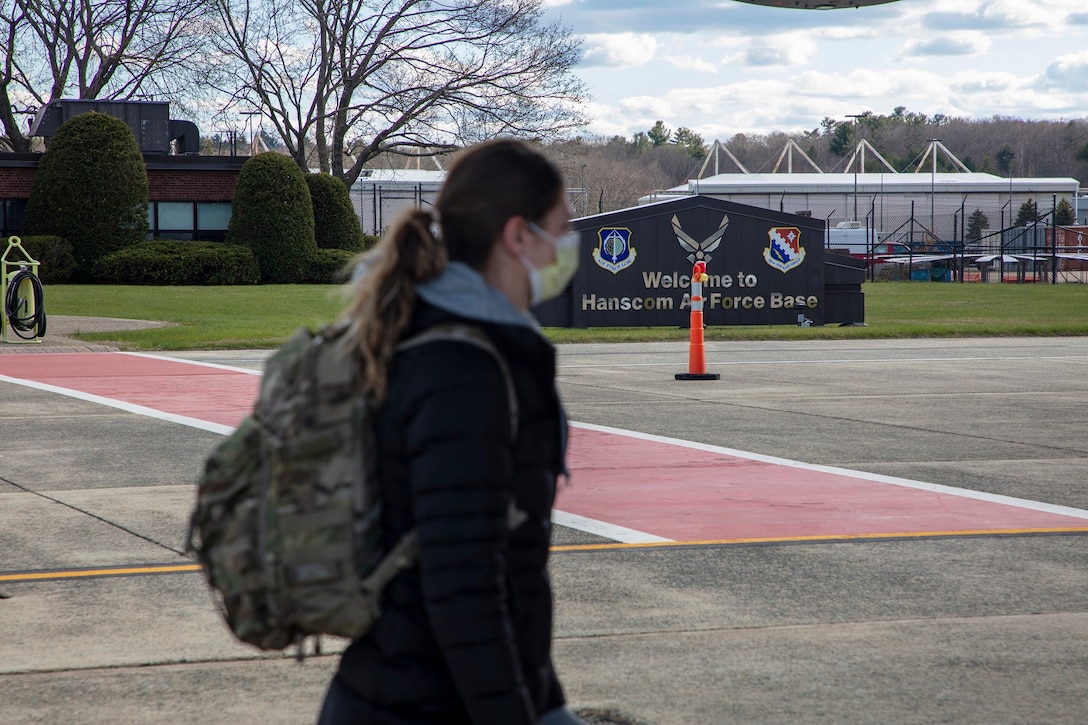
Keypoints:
pixel 660 134
pixel 975 224
pixel 1028 213
pixel 1064 215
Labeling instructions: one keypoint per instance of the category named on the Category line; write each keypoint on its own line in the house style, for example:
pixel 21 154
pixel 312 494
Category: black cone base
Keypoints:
pixel 698 376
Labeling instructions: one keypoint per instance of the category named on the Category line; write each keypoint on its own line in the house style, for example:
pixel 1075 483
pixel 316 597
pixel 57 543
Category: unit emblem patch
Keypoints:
pixel 784 252
pixel 614 251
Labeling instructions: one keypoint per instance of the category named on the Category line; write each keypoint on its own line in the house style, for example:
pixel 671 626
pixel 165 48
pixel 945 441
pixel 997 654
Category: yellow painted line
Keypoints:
pixel 82 573
pixel 827 537
pixel 185 568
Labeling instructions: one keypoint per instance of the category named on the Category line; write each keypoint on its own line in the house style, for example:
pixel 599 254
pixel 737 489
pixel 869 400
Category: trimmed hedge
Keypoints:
pixel 56 263
pixel 336 226
pixel 273 216
pixel 90 188
pixel 167 262
pixel 331 266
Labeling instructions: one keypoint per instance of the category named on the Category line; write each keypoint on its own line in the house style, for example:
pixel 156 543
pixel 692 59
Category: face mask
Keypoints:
pixel 548 282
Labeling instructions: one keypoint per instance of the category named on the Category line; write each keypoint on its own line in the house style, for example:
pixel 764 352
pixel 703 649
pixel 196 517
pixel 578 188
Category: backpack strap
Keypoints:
pixel 470 335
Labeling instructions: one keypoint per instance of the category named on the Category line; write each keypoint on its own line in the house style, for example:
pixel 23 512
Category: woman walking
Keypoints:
pixel 465 635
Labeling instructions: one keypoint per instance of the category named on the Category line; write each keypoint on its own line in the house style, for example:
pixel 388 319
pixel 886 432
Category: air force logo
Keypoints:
pixel 699 250
pixel 784 252
pixel 614 251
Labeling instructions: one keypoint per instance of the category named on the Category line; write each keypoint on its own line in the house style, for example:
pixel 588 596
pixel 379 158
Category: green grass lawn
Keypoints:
pixel 263 316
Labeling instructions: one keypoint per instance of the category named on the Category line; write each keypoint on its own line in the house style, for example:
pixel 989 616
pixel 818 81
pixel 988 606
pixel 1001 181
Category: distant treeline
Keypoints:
pixel 614 172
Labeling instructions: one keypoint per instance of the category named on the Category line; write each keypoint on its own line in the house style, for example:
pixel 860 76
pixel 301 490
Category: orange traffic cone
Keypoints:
pixel 696 348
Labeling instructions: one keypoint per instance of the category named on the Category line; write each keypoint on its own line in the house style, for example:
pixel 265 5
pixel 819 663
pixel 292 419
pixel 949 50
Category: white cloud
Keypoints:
pixel 784 49
pixel 972 82
pixel 1068 72
pixel 646 107
pixel 757 70
pixel 690 62
pixel 1004 18
pixel 947 45
pixel 619 50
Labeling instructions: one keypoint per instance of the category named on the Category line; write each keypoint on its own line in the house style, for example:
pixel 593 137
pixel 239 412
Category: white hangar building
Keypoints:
pixel 888 202
pixel 885 202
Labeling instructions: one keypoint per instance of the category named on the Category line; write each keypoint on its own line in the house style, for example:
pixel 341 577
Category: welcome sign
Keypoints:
pixel 764 267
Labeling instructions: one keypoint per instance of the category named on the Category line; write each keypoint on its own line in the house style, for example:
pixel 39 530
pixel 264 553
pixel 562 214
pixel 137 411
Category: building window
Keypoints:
pixel 12 212
pixel 212 216
pixel 206 221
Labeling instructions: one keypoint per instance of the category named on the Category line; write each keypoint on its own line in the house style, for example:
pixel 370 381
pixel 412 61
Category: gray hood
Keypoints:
pixel 461 290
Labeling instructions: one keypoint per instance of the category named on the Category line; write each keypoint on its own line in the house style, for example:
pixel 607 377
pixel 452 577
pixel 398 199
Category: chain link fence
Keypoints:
pixel 378 204
pixel 962 228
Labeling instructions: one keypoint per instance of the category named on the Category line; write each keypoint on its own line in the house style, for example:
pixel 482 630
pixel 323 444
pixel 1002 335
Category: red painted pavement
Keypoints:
pixel 197 391
pixel 688 494
pixel 654 487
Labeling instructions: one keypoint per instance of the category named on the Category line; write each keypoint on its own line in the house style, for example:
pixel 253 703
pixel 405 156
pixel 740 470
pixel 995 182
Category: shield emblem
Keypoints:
pixel 614 251
pixel 784 250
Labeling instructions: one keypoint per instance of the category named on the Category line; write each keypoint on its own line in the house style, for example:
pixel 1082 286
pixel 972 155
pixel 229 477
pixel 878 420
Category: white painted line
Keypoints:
pixel 838 362
pixel 122 405
pixel 621 534
pixel 217 366
pixel 863 475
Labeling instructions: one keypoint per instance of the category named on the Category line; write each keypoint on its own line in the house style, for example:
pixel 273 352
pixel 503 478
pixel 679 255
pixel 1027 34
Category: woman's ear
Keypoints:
pixel 514 235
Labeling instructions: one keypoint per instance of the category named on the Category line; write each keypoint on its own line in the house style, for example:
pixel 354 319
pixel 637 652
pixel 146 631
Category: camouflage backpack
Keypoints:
pixel 288 508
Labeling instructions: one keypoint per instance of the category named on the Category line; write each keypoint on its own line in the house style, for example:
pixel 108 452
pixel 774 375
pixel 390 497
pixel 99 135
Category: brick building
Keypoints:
pixel 190 195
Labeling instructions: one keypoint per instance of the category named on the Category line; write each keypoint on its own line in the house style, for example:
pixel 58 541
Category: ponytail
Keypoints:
pixel 385 296
pixel 486 185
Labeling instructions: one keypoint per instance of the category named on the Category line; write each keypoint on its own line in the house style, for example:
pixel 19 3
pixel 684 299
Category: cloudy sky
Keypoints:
pixel 722 67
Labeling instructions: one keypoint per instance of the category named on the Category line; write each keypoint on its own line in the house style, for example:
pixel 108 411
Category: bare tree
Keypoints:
pixel 615 172
pixel 352 79
pixel 111 49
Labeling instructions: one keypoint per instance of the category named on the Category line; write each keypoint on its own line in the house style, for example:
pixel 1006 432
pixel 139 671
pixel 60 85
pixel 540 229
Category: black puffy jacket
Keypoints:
pixel 465 636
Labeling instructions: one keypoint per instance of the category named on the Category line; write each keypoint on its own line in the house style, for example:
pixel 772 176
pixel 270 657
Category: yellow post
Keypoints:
pixel 22 308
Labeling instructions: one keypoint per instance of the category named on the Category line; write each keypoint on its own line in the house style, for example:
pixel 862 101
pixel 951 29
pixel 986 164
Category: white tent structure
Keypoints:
pixel 885 201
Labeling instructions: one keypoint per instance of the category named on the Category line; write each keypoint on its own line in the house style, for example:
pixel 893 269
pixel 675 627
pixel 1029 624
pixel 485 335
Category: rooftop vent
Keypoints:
pixel 149 120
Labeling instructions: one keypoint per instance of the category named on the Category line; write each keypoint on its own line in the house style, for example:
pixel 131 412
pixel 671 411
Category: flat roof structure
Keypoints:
pixel 869 183
pixel 937 203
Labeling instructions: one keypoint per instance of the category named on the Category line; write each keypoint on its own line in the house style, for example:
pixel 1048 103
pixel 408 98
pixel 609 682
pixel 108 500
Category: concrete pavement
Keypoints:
pixel 965 629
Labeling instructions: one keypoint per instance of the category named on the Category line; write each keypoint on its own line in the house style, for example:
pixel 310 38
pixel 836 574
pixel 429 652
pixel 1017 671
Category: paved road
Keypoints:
pixel 964 629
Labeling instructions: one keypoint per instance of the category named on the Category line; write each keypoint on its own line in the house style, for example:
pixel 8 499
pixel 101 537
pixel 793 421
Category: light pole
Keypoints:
pixel 585 193
pixel 855 116
pixel 933 187
pixel 249 134
pixel 1011 157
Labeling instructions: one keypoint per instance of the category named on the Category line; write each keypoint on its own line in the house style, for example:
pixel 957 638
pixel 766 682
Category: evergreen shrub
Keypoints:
pixel 90 188
pixel 273 216
pixel 331 266
pixel 336 225
pixel 169 262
